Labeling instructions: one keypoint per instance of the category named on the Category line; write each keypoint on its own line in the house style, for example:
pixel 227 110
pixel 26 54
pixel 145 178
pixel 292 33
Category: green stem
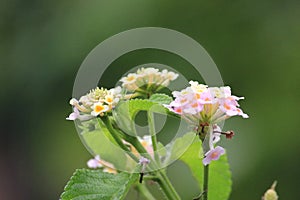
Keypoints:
pixel 116 137
pixel 163 180
pixel 144 191
pixel 165 183
pixel 205 182
pixel 153 136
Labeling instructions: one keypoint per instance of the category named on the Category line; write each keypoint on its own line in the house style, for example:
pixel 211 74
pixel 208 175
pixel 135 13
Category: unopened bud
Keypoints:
pixel 271 194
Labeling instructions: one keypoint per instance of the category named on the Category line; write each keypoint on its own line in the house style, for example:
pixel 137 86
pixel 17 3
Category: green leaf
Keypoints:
pixel 177 147
pixel 125 112
pixel 219 185
pixel 161 98
pixel 88 184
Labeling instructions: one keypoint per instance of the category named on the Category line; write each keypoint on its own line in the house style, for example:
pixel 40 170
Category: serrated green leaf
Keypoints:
pixel 161 98
pixel 219 185
pixel 88 184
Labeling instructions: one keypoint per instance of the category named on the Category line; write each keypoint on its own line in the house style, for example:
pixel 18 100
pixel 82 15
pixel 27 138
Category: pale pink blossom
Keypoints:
pixel 97 162
pixel 76 115
pixel 213 154
pixel 94 162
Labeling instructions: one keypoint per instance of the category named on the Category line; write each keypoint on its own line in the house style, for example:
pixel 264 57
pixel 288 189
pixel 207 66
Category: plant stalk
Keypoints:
pixel 114 134
pixel 145 192
pixel 205 182
pixel 163 180
pixel 167 186
pixel 153 136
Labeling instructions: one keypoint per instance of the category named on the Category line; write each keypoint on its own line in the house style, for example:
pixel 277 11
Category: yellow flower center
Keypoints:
pixel 99 108
pixel 130 78
pixel 109 99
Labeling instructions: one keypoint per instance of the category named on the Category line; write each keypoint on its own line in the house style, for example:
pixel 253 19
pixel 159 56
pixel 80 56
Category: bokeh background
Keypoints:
pixel 255 44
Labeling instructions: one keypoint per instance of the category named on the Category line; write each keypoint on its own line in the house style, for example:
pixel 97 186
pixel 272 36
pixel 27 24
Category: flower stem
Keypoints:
pixel 205 182
pixel 167 186
pixel 153 136
pixel 144 191
pixel 114 134
pixel 163 180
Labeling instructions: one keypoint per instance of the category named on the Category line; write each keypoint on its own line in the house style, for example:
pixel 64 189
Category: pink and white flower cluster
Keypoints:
pixel 199 103
pixel 205 106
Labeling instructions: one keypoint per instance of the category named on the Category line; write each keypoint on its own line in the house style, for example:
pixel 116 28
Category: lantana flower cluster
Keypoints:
pixel 205 106
pixel 202 106
pixel 200 103
pixel 101 101
pixel 147 80
pixel 97 102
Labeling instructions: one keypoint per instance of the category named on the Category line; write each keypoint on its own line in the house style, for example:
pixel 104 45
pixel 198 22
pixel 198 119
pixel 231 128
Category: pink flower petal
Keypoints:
pixel 213 154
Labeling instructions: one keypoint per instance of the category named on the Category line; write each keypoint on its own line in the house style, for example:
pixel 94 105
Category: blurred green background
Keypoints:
pixel 255 45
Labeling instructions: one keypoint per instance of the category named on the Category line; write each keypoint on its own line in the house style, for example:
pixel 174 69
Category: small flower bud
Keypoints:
pixel 271 194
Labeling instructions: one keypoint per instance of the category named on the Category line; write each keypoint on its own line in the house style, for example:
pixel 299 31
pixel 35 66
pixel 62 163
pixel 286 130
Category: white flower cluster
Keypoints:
pixel 148 79
pixel 96 102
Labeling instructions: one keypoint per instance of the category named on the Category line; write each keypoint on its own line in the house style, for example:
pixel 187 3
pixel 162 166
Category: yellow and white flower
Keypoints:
pixel 96 102
pixel 99 109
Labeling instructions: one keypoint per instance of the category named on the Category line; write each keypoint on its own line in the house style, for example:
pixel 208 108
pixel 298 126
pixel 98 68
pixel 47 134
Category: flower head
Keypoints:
pixel 97 102
pixel 204 107
pixel 199 103
pixel 148 80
